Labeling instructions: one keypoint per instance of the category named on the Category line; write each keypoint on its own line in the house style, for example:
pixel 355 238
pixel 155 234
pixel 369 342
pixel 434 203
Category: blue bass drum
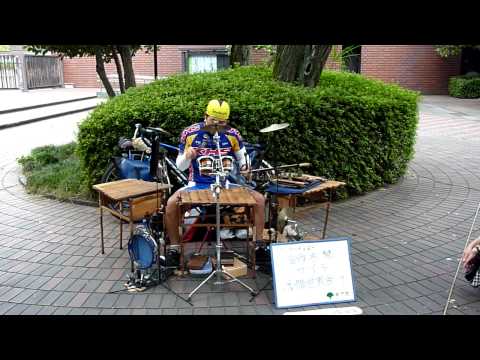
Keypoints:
pixel 142 249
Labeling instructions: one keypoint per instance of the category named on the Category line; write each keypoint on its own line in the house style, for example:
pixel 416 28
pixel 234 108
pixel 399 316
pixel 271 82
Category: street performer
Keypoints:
pixel 195 141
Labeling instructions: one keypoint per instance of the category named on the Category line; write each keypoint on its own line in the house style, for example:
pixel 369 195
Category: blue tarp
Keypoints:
pixel 285 190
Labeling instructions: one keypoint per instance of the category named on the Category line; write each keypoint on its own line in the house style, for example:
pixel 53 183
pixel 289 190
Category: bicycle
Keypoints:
pixel 136 154
pixel 135 160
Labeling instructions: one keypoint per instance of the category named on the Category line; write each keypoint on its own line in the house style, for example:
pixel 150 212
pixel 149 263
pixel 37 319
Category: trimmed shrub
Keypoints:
pixel 465 87
pixel 350 128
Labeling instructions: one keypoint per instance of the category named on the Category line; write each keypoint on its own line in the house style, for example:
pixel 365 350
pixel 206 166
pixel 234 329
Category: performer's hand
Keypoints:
pixel 468 255
pixel 470 252
pixel 191 153
pixel 245 171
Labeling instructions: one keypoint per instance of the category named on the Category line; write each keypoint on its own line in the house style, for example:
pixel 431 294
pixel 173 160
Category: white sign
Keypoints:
pixel 312 272
pixel 350 310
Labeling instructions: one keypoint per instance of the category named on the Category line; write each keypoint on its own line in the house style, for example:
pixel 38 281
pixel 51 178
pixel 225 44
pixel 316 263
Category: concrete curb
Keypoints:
pixel 23 181
pixel 19 123
pixel 46 104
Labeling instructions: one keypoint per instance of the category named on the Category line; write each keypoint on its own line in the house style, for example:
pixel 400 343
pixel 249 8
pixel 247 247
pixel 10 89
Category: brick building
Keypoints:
pixel 416 67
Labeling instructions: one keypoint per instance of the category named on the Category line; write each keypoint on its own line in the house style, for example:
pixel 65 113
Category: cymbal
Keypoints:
pixel 212 129
pixel 275 127
pixel 159 129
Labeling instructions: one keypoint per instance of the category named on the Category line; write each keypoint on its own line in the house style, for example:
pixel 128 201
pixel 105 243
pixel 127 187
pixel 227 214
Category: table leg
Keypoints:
pixel 327 212
pixel 101 222
pixel 119 218
pixel 131 219
pixel 254 240
pixel 180 236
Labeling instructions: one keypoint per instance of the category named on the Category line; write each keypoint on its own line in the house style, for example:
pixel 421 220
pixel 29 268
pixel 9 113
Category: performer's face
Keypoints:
pixel 210 120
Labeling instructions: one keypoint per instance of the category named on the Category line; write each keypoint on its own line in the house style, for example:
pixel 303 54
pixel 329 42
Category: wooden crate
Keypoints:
pixel 145 206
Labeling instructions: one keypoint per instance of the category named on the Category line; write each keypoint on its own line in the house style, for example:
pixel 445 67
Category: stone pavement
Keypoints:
pixel 407 239
pixel 12 99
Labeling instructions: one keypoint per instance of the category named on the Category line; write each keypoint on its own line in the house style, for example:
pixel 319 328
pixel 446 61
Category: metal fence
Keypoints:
pixel 9 72
pixel 43 71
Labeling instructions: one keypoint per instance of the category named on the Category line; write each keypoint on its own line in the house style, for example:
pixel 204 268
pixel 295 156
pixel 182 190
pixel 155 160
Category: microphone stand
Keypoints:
pixel 216 188
pixel 156 233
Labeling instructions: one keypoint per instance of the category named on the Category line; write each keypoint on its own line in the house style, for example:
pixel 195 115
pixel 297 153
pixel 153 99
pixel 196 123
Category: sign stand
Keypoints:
pixel 309 273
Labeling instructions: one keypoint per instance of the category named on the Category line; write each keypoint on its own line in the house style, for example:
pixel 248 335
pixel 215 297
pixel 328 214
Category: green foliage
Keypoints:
pixel 55 170
pixel 452 50
pixel 79 50
pixel 342 55
pixel 350 128
pixel 465 87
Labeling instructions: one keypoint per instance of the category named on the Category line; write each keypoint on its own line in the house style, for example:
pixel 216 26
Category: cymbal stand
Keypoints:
pixel 220 176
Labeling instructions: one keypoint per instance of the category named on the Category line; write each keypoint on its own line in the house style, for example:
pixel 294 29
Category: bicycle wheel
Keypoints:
pixel 111 174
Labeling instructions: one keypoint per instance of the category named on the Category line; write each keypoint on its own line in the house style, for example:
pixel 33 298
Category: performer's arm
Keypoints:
pixel 239 150
pixel 241 156
pixel 182 161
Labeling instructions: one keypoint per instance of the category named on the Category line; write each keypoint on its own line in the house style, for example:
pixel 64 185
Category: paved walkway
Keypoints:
pixel 406 239
pixel 12 99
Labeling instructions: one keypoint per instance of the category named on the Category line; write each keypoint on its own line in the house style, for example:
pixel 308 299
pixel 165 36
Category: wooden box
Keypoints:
pixel 144 206
pixel 238 269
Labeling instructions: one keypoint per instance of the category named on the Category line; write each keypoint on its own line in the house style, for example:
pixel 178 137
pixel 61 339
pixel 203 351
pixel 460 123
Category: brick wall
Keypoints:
pixel 259 56
pixel 417 67
pixel 332 64
pixel 82 72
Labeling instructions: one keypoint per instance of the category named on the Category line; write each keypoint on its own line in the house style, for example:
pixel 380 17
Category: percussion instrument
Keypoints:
pixel 227 162
pixel 275 127
pixel 206 165
pixel 233 196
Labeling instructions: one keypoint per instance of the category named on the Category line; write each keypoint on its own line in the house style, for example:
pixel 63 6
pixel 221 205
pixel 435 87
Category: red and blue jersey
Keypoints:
pixel 194 136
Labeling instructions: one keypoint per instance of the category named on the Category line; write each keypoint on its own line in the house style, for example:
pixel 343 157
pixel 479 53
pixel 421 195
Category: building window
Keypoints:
pixel 204 61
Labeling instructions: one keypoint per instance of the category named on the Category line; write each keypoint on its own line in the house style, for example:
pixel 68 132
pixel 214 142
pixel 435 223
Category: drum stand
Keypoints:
pixel 155 223
pixel 216 189
pixel 272 218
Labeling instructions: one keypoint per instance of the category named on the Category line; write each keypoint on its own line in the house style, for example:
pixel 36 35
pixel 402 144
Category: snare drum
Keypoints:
pixel 227 162
pixel 205 165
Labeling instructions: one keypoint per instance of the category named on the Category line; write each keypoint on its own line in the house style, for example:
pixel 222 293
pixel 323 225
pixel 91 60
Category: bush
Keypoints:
pixel 55 170
pixel 465 87
pixel 350 128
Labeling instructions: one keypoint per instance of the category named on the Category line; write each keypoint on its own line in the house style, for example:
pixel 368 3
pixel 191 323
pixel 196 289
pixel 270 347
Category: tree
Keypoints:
pixel 301 64
pixel 240 54
pixel 103 54
pixel 452 50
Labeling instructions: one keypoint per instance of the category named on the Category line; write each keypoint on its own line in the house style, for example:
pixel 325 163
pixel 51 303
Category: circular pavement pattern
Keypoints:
pixel 406 240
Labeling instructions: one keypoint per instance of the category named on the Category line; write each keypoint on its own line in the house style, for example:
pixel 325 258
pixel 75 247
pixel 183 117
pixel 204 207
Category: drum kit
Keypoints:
pixel 220 166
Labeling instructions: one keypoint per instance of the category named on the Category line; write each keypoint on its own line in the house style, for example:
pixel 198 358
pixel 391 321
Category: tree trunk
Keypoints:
pixel 119 70
pixel 301 64
pixel 126 55
pixel 240 54
pixel 102 74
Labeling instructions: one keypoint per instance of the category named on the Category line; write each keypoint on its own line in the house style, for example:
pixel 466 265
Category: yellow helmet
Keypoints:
pixel 218 109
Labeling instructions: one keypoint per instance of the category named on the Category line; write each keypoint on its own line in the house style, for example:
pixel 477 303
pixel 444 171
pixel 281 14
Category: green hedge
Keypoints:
pixel 465 87
pixel 353 129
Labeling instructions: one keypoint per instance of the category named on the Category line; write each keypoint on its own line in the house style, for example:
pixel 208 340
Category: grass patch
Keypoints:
pixel 55 171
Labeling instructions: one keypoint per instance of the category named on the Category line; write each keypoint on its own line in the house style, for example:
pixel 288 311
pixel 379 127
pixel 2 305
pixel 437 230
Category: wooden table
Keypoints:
pixel 328 186
pixel 237 196
pixel 129 200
